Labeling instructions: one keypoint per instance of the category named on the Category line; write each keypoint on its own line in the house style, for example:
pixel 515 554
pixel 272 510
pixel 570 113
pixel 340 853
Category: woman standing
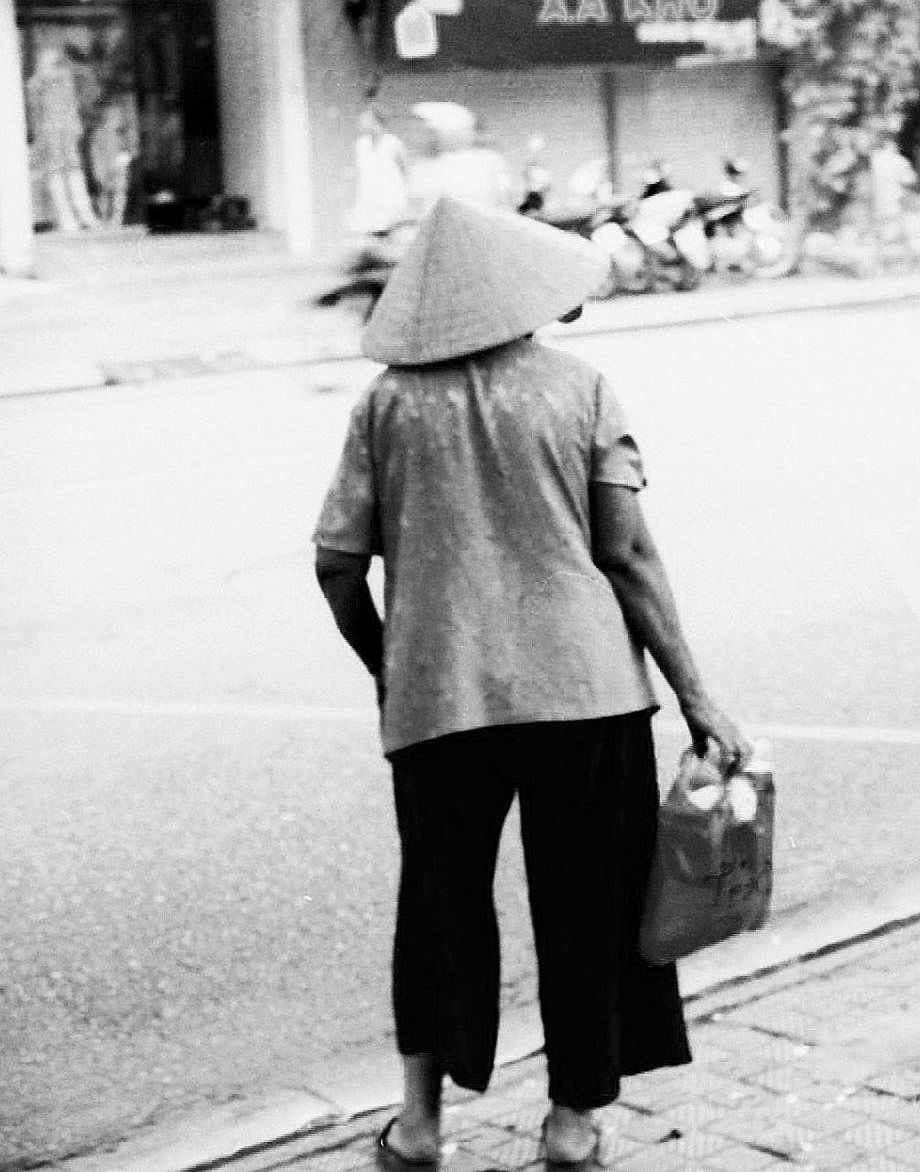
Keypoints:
pixel 381 196
pixel 499 481
pixel 461 162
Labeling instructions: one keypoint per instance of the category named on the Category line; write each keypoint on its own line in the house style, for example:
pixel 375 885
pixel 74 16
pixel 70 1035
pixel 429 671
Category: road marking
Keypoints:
pixel 818 733
pixel 355 714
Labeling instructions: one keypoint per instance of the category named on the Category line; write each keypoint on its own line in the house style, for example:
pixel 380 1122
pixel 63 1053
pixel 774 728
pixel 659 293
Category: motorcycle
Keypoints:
pixel 672 237
pixel 576 209
pixel 369 268
pixel 655 242
pixel 746 233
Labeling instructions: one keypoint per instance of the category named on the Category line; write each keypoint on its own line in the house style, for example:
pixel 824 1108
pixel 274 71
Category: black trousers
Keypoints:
pixel 588 802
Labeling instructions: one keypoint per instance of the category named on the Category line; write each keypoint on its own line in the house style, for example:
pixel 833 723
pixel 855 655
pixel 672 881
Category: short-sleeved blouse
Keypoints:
pixel 471 479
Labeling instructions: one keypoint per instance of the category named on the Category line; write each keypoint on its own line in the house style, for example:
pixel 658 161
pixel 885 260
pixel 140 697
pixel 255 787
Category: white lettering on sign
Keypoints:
pixel 652 10
pixel 553 12
pixel 592 12
pixel 722 40
pixel 572 12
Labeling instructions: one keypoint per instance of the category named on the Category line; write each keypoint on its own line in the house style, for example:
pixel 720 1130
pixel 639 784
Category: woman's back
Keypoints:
pixel 495 609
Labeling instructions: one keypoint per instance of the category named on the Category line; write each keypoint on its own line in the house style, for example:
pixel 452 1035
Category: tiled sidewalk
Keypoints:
pixel 814 1067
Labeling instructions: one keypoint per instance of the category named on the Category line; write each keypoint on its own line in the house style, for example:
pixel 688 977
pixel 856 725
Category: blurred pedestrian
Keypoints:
pixel 536 180
pixel 381 195
pixel 461 163
pixel 891 177
pixel 499 482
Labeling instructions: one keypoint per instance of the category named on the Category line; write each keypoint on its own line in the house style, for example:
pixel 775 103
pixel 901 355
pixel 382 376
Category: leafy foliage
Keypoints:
pixel 853 69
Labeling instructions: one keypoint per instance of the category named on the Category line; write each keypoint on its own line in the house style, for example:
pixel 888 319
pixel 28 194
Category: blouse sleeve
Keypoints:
pixel 615 457
pixel 348 520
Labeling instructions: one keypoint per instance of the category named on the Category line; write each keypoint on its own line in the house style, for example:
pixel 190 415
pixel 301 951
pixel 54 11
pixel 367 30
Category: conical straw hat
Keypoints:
pixel 454 125
pixel 474 279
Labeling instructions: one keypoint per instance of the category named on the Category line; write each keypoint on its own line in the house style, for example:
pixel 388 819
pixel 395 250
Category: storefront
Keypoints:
pixel 130 99
pixel 633 80
pixel 122 108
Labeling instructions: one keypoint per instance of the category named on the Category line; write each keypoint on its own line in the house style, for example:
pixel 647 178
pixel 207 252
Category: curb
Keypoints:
pixel 218 1138
pixel 729 304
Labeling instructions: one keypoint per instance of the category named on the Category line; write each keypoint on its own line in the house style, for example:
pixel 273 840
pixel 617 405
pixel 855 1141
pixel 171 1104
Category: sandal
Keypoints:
pixel 390 1160
pixel 586 1163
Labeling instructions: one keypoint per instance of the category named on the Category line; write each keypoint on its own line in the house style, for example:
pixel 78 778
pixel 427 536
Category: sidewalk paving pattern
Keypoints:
pixel 816 1066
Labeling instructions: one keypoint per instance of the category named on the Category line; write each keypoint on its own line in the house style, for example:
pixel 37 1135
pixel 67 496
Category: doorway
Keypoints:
pixel 122 108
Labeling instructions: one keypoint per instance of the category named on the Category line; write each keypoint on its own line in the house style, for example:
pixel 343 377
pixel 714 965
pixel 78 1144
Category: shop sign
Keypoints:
pixel 602 11
pixel 714 41
pixel 416 32
pixel 519 33
pixel 585 12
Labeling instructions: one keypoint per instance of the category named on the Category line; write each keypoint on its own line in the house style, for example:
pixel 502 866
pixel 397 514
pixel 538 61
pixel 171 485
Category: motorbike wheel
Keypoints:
pixel 609 287
pixel 651 277
pixel 774 253
pixel 688 277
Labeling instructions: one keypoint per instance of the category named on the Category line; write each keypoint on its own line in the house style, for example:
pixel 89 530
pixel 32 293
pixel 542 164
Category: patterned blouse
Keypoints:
pixel 471 479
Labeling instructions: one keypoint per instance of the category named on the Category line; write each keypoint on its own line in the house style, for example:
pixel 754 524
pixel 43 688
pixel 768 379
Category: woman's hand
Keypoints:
pixel 708 723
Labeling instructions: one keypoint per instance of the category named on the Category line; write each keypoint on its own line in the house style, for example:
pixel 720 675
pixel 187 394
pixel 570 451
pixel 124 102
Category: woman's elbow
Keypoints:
pixel 334 565
pixel 620 557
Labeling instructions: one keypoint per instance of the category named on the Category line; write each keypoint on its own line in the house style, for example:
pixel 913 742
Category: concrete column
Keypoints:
pixel 264 115
pixel 15 195
pixel 293 127
pixel 338 71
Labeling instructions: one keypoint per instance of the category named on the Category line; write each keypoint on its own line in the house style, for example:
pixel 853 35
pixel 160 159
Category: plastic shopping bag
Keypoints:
pixel 712 874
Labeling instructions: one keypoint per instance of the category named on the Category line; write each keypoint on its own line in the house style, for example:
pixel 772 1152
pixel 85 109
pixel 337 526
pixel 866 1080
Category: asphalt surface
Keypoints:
pixel 199 855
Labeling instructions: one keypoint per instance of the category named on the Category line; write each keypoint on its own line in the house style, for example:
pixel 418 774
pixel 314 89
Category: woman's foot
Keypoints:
pixel 570 1136
pixel 413 1141
pixel 415 1134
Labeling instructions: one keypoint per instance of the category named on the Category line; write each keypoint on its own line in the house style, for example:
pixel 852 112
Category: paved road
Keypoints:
pixel 198 848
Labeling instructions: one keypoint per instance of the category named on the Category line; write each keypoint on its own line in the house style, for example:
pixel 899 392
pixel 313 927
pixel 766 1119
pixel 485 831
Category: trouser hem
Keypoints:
pixel 461 1078
pixel 585 1102
pixel 468 1082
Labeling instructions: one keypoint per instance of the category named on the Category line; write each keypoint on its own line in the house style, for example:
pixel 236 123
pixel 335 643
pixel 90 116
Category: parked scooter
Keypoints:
pixel 655 242
pixel 672 237
pixel 576 207
pixel 746 233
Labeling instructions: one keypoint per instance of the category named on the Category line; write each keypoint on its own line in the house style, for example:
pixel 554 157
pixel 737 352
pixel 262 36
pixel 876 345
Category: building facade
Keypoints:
pixel 683 81
pixel 121 101
pixel 115 107
pixel 631 82
pixel 126 102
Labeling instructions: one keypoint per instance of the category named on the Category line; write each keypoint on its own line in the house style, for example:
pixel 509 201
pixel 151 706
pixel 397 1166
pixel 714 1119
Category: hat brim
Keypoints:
pixel 474 279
